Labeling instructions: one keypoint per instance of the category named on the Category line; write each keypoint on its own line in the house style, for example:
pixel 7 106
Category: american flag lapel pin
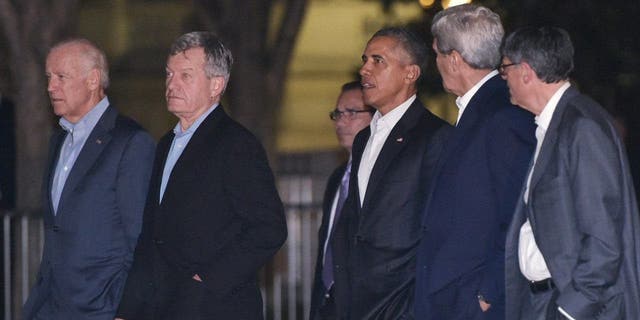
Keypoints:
pixel 98 141
pixel 399 140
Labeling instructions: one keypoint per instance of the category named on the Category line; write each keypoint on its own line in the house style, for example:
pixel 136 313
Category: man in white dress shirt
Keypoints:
pixel 392 164
pixel 572 248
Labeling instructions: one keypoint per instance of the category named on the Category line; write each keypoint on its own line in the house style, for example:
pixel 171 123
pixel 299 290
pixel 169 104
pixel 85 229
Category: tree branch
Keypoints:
pixel 10 24
pixel 286 38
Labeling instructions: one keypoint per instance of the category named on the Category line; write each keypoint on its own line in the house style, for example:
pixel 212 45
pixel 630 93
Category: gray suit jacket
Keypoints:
pixel 584 217
pixel 89 243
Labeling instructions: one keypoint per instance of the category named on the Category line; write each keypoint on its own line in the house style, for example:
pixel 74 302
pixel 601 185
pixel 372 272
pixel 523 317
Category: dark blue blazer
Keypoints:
pixel 374 258
pixel 89 243
pixel 470 207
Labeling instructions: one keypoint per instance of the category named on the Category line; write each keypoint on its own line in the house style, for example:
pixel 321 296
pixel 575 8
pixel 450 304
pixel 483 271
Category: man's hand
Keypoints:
pixel 118 319
pixel 484 306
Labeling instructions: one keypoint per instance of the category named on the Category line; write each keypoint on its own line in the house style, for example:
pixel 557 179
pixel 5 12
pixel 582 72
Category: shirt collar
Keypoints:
pixel 88 121
pixel 177 130
pixel 544 118
pixel 463 101
pixel 392 117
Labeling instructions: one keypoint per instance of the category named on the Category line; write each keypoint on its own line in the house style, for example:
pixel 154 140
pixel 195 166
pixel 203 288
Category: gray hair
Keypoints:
pixel 90 55
pixel 218 59
pixel 473 31
pixel 548 50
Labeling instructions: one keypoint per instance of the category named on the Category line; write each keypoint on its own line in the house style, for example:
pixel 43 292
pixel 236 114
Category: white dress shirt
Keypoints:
pixel 380 128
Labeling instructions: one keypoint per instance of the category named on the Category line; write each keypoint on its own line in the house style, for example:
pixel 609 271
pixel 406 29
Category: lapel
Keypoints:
pixel 550 140
pixel 473 113
pixel 359 143
pixel 96 142
pixel 162 151
pixel 203 139
pixel 398 138
pixel 54 152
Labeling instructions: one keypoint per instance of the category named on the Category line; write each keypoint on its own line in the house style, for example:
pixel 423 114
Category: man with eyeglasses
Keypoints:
pixel 349 117
pixel 573 248
pixel 461 255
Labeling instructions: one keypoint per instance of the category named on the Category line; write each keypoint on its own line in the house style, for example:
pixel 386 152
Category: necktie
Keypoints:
pixel 327 267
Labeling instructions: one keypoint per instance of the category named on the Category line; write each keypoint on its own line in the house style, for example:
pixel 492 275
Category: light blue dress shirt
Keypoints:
pixel 180 141
pixel 77 134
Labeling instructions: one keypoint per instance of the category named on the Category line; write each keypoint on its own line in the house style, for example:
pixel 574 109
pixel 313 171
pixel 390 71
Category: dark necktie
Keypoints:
pixel 327 267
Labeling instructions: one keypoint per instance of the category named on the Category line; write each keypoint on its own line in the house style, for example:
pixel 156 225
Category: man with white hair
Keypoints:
pixel 93 192
pixel 460 273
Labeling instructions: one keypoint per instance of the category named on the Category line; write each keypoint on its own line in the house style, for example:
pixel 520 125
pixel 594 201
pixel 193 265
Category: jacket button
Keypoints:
pixel 156 241
pixel 55 228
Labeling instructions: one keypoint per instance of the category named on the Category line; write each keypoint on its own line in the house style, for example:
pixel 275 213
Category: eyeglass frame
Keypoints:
pixel 503 67
pixel 336 114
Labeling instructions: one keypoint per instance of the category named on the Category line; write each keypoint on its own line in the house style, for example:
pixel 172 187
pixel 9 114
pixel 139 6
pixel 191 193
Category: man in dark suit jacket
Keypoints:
pixel 93 191
pixel 350 116
pixel 393 161
pixel 461 256
pixel 213 216
pixel 573 248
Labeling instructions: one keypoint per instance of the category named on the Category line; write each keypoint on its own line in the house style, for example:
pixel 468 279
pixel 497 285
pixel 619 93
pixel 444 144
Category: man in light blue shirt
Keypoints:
pixel 213 217
pixel 93 192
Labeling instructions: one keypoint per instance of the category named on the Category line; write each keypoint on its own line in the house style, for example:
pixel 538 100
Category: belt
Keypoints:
pixel 541 286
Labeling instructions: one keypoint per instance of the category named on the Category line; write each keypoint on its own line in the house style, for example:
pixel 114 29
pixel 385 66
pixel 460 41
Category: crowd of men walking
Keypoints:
pixel 523 209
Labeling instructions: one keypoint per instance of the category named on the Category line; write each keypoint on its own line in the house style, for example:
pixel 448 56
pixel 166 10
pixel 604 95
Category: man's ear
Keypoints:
pixel 413 73
pixel 217 86
pixel 455 59
pixel 527 73
pixel 93 79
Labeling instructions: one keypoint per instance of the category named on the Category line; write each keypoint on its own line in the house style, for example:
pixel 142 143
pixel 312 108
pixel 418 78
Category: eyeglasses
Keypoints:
pixel 336 115
pixel 503 67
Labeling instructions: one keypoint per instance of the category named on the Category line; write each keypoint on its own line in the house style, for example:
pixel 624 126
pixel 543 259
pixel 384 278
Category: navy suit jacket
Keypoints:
pixel 318 291
pixel 470 207
pixel 220 217
pixel 584 216
pixel 381 237
pixel 89 243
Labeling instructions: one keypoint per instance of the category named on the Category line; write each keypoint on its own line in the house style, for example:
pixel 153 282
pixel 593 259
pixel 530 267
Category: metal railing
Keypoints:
pixel 21 251
pixel 286 281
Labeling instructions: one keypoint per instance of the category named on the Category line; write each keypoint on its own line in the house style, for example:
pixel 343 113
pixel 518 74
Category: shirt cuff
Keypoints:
pixel 564 313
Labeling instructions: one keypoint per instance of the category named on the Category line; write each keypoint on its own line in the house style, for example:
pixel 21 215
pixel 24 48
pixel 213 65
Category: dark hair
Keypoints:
pixel 548 50
pixel 353 85
pixel 218 59
pixel 411 44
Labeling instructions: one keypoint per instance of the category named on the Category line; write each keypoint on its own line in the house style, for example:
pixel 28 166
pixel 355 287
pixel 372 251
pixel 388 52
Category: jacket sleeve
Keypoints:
pixel 595 182
pixel 137 175
pixel 249 187
pixel 132 185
